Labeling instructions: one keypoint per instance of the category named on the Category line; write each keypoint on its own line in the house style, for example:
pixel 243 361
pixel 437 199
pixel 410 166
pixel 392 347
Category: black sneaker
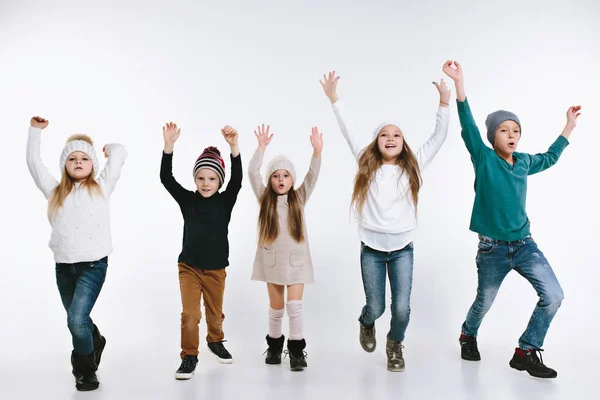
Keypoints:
pixel 187 368
pixel 220 352
pixel 275 349
pixel 528 360
pixel 297 354
pixel 468 348
pixel 367 338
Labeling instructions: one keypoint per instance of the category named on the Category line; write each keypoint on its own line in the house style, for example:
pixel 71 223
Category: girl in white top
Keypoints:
pixel 385 197
pixel 78 211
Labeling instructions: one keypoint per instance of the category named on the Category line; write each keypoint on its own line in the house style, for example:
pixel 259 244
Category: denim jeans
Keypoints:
pixel 399 267
pixel 495 259
pixel 79 285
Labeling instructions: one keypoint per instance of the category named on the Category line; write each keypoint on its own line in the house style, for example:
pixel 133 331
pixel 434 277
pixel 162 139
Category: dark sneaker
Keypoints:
pixel 187 368
pixel 297 354
pixel 99 344
pixel 275 349
pixel 84 371
pixel 367 338
pixel 528 360
pixel 220 352
pixel 395 360
pixel 468 348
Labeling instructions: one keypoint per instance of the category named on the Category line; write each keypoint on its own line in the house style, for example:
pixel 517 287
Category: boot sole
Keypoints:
pixel 273 362
pixel 396 369
pixel 520 367
pixel 297 369
pixel 87 389
pixel 367 349
pixel 474 358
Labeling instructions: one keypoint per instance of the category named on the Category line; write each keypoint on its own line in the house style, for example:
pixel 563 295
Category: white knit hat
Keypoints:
pixel 280 162
pixel 82 146
pixel 381 125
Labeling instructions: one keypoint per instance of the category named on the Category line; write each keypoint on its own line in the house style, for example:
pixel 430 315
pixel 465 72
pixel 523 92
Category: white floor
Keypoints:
pixel 437 372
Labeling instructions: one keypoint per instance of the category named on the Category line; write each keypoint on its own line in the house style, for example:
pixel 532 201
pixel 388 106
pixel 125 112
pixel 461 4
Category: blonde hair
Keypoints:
pixel 64 188
pixel 371 160
pixel 268 219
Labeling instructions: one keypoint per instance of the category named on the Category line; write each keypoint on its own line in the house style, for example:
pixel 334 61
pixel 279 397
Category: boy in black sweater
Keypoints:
pixel 205 253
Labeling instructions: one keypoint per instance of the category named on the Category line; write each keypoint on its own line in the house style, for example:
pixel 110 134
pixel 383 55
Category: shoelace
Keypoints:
pixel 219 348
pixel 534 356
pixel 397 349
pixel 188 362
pixel 369 332
pixel 286 352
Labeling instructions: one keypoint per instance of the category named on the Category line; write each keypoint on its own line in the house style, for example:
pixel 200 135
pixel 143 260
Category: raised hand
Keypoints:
pixel 572 113
pixel 316 140
pixel 455 72
pixel 38 122
pixel 443 91
pixel 263 137
pixel 230 135
pixel 329 84
pixel 170 135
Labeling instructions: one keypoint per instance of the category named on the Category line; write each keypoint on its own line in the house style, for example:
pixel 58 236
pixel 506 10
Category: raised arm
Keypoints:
pixel 543 161
pixel 42 178
pixel 170 135
pixel 310 180
pixel 264 138
pixel 329 84
pixel 116 155
pixel 428 151
pixel 469 131
pixel 235 182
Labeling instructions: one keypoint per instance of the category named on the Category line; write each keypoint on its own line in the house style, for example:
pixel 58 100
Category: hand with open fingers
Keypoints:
pixel 230 135
pixel 443 91
pixel 572 114
pixel 171 133
pixel 39 122
pixel 263 136
pixel 329 84
pixel 453 70
pixel 316 140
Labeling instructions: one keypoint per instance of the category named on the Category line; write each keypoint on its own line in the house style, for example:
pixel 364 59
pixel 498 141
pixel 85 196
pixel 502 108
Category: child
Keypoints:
pixel 205 253
pixel 500 219
pixel 283 255
pixel 78 211
pixel 386 194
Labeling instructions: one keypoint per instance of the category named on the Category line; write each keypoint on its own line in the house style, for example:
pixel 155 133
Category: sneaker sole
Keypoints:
pixel 219 359
pixel 519 367
pixel 367 349
pixel 183 377
pixel 396 369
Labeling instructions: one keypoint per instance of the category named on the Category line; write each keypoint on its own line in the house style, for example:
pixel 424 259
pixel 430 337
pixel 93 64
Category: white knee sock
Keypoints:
pixel 294 310
pixel 275 321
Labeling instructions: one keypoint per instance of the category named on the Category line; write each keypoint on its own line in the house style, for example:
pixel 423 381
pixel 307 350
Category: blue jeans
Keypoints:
pixel 495 259
pixel 399 267
pixel 79 285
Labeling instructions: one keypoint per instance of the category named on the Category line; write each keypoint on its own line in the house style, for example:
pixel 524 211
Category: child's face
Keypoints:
pixel 390 142
pixel 281 181
pixel 207 182
pixel 507 137
pixel 79 166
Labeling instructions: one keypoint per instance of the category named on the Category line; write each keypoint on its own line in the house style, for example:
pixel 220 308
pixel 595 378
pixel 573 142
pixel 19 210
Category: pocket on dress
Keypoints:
pixel 297 257
pixel 268 257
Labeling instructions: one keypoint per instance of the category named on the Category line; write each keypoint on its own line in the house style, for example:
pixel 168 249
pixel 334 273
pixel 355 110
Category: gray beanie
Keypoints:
pixel 495 119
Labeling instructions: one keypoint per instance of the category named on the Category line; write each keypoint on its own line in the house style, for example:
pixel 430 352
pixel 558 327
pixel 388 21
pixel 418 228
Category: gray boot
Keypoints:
pixel 367 338
pixel 395 360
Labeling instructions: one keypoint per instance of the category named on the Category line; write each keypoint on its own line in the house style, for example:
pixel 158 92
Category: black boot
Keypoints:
pixel 275 349
pixel 99 343
pixel 84 371
pixel 528 360
pixel 297 354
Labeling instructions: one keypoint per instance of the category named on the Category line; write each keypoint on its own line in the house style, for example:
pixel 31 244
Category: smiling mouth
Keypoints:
pixel 390 146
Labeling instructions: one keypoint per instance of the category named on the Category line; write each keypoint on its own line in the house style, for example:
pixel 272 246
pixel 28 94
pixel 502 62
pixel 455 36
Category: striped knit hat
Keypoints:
pixel 211 159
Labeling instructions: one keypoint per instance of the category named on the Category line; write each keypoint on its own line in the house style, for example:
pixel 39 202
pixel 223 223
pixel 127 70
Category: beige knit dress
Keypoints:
pixel 285 261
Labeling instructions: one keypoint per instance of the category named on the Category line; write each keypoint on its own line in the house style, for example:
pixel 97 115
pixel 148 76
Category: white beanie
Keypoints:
pixel 82 146
pixel 381 125
pixel 280 162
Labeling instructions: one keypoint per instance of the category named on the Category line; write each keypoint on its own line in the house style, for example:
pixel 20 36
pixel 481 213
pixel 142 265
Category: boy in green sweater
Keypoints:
pixel 500 219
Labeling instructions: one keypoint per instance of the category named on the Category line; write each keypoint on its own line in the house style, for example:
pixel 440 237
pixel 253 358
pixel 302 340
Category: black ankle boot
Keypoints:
pixel 84 371
pixel 99 343
pixel 297 354
pixel 275 349
pixel 528 360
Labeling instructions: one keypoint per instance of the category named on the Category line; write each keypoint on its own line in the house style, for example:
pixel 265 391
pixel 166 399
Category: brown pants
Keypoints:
pixel 194 283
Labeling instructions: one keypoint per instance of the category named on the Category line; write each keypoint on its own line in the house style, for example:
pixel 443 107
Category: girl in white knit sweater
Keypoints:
pixel 386 193
pixel 78 211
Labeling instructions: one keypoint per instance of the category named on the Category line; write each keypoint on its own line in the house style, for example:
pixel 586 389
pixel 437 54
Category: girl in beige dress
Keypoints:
pixel 282 254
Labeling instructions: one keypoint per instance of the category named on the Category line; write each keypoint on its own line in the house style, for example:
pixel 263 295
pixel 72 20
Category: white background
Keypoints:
pixel 118 70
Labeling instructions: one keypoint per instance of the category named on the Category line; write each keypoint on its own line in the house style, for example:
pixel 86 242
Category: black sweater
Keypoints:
pixel 205 220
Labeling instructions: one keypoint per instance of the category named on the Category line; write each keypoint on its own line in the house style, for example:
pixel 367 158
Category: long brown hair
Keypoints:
pixel 268 219
pixel 371 160
pixel 64 188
